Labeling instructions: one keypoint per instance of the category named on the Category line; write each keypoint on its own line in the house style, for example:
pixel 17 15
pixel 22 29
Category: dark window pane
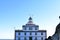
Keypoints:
pixel 30 33
pixel 25 28
pixel 35 38
pixel 25 33
pixel 41 33
pixel 35 28
pixel 18 38
pixel 35 33
pixel 30 38
pixel 30 28
pixel 18 33
pixel 25 38
pixel 41 38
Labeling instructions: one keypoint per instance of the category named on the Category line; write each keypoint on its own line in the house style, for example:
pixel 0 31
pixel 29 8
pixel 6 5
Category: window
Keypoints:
pixel 35 38
pixel 30 38
pixel 25 33
pixel 30 33
pixel 25 38
pixel 35 28
pixel 41 33
pixel 35 33
pixel 24 28
pixel 18 33
pixel 41 38
pixel 30 28
pixel 18 38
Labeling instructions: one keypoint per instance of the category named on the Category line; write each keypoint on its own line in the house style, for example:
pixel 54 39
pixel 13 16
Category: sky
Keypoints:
pixel 15 13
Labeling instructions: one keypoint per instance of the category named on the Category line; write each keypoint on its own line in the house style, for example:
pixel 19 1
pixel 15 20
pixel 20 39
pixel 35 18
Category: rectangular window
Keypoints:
pixel 41 38
pixel 30 28
pixel 18 33
pixel 35 38
pixel 25 33
pixel 41 33
pixel 25 38
pixel 18 38
pixel 30 38
pixel 35 33
pixel 30 33
pixel 24 28
pixel 35 28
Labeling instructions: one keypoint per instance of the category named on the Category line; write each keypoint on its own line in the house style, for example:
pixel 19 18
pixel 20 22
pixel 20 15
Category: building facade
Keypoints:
pixel 30 32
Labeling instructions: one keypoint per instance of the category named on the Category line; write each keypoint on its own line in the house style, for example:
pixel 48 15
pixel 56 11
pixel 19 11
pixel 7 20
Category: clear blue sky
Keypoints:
pixel 15 13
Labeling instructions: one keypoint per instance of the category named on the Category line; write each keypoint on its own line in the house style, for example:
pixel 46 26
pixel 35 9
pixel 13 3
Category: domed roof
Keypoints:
pixel 30 21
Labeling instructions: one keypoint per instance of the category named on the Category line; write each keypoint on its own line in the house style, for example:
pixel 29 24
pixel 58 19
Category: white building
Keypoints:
pixel 30 32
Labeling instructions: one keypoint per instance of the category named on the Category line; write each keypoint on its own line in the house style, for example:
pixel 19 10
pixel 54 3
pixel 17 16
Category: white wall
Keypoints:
pixel 22 35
